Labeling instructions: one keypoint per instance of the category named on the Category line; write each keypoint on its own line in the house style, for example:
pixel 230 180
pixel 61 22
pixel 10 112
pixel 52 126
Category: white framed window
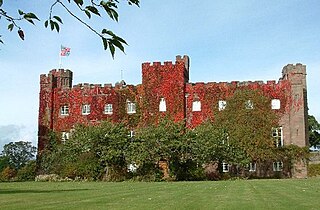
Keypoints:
pixel 131 134
pixel 162 105
pixel 277 135
pixel 64 110
pixel 222 105
pixel 108 109
pixel 277 166
pixel 252 167
pixel 131 107
pixel 132 167
pixel 225 139
pixel 275 104
pixel 225 167
pixel 86 109
pixel 196 106
pixel 64 137
pixel 249 104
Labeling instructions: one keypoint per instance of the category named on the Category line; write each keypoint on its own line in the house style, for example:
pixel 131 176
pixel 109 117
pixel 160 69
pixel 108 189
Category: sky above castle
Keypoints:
pixel 225 40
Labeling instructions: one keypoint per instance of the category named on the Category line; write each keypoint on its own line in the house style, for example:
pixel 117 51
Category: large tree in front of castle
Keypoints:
pixel 248 120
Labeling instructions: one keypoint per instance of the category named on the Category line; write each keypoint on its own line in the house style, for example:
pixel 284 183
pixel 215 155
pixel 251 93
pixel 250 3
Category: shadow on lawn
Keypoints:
pixel 17 191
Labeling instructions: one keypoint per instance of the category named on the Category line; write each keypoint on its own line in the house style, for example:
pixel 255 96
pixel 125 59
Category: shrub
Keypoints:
pixel 313 170
pixel 28 172
pixel 7 174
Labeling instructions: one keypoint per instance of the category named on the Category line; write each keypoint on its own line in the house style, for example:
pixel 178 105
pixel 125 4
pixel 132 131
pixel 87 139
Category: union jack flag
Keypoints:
pixel 65 51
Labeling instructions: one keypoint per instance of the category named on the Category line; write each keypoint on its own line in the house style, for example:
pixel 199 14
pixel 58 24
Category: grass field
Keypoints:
pixel 239 194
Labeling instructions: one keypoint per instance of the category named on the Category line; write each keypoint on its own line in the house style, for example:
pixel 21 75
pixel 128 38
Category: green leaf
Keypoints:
pixel 112 14
pixel 31 16
pixel 29 20
pixel 1 2
pixel 88 13
pixel 10 27
pixel 105 43
pixel 20 12
pixel 79 2
pixel 105 31
pixel 112 49
pixel 58 19
pixel 46 23
pixel 122 40
pixel 117 44
pixel 92 9
pixel 116 16
pixel 52 25
pixel 56 25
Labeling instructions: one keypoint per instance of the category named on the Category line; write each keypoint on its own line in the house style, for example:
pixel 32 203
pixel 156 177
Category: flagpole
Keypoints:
pixel 60 59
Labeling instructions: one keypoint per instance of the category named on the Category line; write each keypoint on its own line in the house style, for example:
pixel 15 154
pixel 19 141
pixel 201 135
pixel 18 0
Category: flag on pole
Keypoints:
pixel 65 51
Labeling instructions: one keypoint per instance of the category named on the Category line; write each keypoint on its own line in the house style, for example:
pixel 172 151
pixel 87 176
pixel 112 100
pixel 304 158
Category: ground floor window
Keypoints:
pixel 277 166
pixel 252 167
pixel 225 167
pixel 64 137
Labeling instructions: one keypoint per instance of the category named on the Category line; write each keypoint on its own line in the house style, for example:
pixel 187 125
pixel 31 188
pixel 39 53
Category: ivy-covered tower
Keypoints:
pixel 56 79
pixel 164 88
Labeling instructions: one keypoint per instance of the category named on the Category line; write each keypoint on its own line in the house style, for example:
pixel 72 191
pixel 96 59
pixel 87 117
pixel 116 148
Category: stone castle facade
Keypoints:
pixel 166 91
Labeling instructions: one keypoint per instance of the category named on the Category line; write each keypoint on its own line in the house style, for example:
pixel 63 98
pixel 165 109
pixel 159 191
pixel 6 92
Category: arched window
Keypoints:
pixel 162 105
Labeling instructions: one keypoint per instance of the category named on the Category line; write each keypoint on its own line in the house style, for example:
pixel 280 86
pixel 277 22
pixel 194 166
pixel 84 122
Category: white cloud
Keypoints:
pixel 14 133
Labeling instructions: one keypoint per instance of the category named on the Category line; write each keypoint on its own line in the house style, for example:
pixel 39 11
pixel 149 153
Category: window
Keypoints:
pixel 131 134
pixel 249 104
pixel 162 105
pixel 277 166
pixel 278 137
pixel 64 137
pixel 275 104
pixel 132 167
pixel 222 105
pixel 225 139
pixel 64 110
pixel 85 109
pixel 108 109
pixel 252 167
pixel 196 106
pixel 131 107
pixel 225 167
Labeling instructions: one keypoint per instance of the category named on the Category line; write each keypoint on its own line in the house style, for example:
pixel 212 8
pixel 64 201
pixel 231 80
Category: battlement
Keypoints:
pixel 61 72
pixel 92 86
pixel 291 68
pixel 185 59
pixel 237 83
pixel 157 63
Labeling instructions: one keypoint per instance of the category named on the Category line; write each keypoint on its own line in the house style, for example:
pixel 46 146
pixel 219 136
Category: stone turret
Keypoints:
pixel 297 118
pixel 295 129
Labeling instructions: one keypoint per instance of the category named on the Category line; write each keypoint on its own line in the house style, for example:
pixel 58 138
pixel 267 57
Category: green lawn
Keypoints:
pixel 239 194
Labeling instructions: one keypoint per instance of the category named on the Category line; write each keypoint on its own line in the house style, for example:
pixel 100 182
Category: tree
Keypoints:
pixel 4 162
pixel 212 145
pixel 89 8
pixel 314 131
pixel 19 153
pixel 157 146
pixel 248 120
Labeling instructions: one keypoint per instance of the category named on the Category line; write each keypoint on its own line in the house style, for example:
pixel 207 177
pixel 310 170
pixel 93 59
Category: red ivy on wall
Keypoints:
pixel 167 81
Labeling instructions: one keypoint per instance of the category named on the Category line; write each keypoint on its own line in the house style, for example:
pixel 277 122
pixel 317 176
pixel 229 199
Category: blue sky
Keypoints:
pixel 226 41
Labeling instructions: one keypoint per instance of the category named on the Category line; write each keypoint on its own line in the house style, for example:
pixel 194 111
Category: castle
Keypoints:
pixel 165 90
